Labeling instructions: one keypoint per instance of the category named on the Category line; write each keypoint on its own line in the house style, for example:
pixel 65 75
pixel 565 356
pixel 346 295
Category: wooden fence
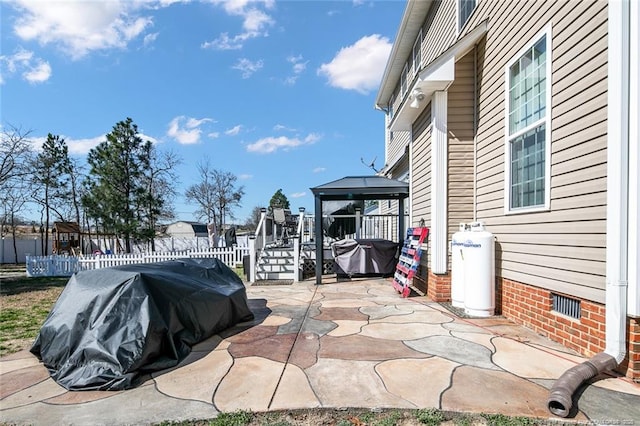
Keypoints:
pixel 60 266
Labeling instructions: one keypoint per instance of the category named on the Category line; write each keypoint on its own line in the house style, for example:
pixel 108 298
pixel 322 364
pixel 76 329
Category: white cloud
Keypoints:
pixel 186 131
pixel 80 27
pixel 247 67
pixel 149 39
pixel 148 138
pixel 235 130
pixel 360 66
pixel 245 176
pixel 213 135
pixel 298 194
pixel 279 127
pixel 319 169
pixel 254 23
pixel 298 67
pixel 272 144
pixel 32 69
pixel 83 146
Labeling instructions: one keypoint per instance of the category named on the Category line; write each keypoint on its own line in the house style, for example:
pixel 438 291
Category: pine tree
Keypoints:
pixel 51 179
pixel 116 186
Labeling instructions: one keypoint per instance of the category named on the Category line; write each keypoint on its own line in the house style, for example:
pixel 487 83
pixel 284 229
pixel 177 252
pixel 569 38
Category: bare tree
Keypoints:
pixel 215 195
pixel 14 198
pixel 15 149
pixel 157 203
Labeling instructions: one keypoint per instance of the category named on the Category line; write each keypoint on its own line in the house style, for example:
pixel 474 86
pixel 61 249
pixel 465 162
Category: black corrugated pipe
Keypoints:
pixel 560 399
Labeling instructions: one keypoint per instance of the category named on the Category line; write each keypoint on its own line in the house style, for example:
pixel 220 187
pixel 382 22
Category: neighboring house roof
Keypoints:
pixel 186 226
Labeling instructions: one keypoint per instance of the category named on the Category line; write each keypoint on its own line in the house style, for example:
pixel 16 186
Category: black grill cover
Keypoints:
pixel 112 325
pixel 365 256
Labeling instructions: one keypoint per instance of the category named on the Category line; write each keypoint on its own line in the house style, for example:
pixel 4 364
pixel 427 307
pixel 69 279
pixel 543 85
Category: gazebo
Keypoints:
pixel 356 188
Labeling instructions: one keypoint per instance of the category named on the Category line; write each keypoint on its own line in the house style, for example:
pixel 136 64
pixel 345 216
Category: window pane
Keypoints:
pixel 465 8
pixel 527 88
pixel 527 168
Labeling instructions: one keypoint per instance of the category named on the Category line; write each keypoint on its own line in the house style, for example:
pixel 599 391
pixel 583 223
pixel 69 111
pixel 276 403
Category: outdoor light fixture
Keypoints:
pixel 417 96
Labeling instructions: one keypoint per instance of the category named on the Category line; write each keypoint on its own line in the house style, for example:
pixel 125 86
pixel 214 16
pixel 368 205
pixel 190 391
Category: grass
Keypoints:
pixel 356 417
pixel 24 305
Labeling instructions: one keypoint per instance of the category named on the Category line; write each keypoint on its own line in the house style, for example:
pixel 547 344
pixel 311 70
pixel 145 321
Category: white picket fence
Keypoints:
pixel 62 266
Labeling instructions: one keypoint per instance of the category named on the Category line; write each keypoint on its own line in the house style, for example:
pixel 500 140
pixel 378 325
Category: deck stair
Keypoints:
pixel 276 263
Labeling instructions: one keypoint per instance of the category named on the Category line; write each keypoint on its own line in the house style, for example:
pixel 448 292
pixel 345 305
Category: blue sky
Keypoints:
pixel 281 94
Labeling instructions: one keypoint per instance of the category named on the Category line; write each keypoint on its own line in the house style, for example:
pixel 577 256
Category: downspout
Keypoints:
pixel 560 400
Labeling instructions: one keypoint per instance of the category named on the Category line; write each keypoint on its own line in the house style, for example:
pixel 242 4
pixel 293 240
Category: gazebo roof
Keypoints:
pixel 362 188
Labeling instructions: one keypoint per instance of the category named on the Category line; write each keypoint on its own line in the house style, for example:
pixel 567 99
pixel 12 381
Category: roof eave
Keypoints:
pixel 412 19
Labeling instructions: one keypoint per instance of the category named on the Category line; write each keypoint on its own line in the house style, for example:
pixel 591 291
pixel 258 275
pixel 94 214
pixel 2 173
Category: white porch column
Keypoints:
pixel 439 183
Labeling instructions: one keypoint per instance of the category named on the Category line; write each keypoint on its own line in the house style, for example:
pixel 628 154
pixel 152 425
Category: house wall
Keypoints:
pixel 421 190
pixel 180 230
pixel 460 127
pixel 561 250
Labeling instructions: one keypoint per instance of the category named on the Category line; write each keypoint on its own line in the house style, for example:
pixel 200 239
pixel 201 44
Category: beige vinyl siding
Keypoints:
pixel 460 110
pixel 421 189
pixel 562 249
pixel 399 171
pixel 439 31
pixel 421 169
pixel 396 148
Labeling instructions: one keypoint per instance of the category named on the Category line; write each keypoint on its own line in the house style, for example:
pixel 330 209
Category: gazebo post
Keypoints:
pixel 401 221
pixel 319 237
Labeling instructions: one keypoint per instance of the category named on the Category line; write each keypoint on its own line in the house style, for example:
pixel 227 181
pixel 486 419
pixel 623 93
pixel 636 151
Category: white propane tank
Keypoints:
pixel 457 266
pixel 479 271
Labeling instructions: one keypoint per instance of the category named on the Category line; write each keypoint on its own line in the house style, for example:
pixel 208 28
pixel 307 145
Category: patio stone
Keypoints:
pixel 526 361
pixel 40 391
pixel 347 327
pixel 419 381
pixel 253 334
pixel 197 380
pixel 275 348
pixel 331 314
pixel 294 390
pixel 346 303
pixel 364 348
pixel 417 316
pixel 481 390
pixel 454 349
pixel 485 340
pixel 18 380
pixel 235 392
pixel 72 398
pixel 381 312
pixel 8 365
pixel 337 381
pixel 305 350
pixel 405 331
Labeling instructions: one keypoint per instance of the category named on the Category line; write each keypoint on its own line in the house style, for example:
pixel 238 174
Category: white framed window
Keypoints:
pixel 528 127
pixel 465 9
pixel 403 80
pixel 417 53
pixel 390 107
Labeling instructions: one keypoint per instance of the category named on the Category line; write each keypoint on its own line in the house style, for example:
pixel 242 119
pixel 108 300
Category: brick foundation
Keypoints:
pixel 532 307
pixel 439 287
